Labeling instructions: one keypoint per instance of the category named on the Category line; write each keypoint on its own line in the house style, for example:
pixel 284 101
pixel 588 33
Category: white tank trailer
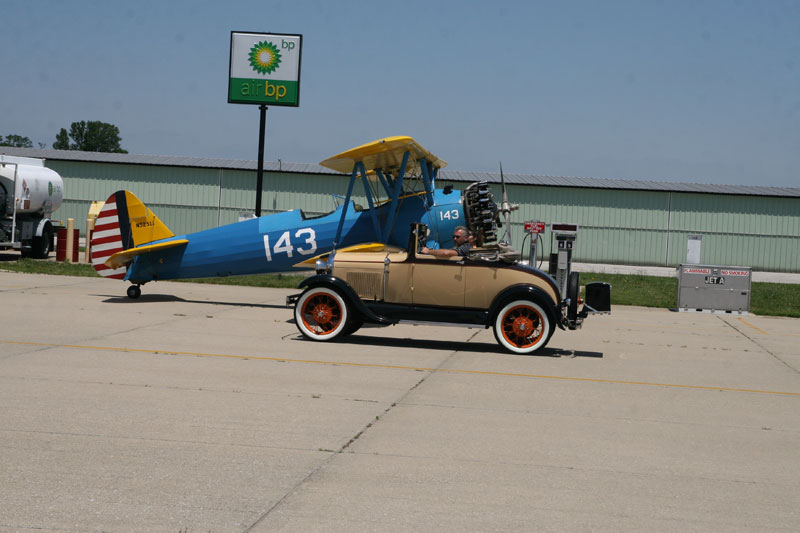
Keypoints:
pixel 29 193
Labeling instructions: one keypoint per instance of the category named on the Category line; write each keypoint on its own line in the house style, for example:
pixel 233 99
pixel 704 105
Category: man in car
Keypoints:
pixel 462 242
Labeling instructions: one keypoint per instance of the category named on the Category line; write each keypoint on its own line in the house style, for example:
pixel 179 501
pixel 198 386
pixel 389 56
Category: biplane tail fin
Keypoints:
pixel 123 223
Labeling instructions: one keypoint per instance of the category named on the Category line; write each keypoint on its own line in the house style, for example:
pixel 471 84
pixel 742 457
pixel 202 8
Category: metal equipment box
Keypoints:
pixel 714 288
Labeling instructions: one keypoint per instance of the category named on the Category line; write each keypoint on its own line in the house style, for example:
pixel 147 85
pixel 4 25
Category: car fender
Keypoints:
pixel 525 291
pixel 347 292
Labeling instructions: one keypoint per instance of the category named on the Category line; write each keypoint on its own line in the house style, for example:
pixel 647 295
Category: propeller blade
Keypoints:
pixel 503 182
pixel 505 208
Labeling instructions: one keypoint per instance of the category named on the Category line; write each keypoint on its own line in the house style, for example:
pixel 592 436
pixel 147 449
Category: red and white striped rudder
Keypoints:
pixel 107 238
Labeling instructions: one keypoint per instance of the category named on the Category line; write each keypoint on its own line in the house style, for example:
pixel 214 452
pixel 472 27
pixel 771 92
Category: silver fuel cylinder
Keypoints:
pixel 36 188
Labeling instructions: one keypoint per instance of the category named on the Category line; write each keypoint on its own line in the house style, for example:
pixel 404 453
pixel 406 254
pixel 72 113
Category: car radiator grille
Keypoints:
pixel 366 284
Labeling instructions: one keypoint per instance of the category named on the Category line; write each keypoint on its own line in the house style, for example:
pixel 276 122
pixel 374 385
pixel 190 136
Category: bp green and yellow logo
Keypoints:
pixel 265 57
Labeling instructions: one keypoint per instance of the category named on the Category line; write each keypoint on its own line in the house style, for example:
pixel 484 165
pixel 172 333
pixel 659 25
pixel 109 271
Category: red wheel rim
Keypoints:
pixel 522 326
pixel 321 313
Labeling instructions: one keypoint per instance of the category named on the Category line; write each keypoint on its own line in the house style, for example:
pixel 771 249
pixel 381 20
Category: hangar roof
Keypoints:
pixel 451 175
pixel 626 184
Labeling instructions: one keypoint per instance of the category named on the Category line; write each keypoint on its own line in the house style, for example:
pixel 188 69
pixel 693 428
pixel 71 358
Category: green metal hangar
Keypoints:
pixel 633 222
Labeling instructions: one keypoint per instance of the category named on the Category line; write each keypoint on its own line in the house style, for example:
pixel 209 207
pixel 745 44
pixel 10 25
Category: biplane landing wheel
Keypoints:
pixel 522 326
pixel 321 314
pixel 134 291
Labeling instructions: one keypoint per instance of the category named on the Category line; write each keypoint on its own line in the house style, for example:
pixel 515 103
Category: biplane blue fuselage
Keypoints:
pixel 278 242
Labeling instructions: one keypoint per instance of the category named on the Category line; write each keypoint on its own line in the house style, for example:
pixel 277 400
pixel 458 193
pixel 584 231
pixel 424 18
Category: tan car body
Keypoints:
pixel 388 275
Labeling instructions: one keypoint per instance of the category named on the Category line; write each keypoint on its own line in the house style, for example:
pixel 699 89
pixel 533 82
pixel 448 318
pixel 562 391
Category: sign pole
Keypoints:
pixel 264 69
pixel 260 174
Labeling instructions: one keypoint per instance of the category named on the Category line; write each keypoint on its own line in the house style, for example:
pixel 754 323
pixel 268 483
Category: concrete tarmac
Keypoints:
pixel 200 408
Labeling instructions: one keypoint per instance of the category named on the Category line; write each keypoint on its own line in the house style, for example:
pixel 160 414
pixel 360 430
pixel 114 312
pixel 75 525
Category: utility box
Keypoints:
pixel 714 289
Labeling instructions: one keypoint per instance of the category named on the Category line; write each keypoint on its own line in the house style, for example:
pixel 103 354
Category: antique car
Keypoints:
pixel 385 285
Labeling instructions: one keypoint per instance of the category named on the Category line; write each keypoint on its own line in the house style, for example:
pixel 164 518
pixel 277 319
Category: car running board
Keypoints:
pixel 446 324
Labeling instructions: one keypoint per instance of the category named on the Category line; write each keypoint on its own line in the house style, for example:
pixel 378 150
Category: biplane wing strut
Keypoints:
pixel 386 157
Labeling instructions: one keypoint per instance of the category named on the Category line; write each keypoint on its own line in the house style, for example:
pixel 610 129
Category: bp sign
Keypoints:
pixel 265 69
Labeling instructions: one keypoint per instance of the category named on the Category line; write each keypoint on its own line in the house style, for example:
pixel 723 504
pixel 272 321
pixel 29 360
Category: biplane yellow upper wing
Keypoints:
pixel 384 154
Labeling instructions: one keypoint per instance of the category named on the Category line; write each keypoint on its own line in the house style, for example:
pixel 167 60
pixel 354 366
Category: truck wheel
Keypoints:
pixel 522 326
pixel 40 246
pixel 321 314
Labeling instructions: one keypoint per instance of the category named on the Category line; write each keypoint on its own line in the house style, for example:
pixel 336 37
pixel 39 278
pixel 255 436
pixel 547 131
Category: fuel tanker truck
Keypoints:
pixel 29 193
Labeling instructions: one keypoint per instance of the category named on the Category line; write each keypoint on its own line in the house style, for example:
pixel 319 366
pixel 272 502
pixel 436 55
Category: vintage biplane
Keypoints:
pixel 398 176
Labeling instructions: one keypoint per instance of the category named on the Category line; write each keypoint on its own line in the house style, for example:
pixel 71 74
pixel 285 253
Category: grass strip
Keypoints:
pixel 773 299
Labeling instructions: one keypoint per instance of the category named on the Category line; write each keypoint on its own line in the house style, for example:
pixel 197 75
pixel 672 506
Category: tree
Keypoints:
pixel 62 140
pixel 17 141
pixel 91 136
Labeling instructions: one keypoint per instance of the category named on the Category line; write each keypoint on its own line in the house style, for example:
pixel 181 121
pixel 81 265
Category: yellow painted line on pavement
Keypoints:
pixel 752 326
pixel 401 367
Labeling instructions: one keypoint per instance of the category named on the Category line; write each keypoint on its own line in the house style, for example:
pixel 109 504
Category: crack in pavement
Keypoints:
pixel 355 437
pixel 754 341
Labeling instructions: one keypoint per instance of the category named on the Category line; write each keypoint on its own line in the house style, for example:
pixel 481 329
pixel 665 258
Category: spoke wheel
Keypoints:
pixel 522 326
pixel 321 314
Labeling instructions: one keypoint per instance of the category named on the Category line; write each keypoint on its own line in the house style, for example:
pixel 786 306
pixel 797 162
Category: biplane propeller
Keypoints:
pixel 505 209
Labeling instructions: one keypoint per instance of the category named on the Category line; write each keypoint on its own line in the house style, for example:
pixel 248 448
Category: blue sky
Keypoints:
pixel 696 91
